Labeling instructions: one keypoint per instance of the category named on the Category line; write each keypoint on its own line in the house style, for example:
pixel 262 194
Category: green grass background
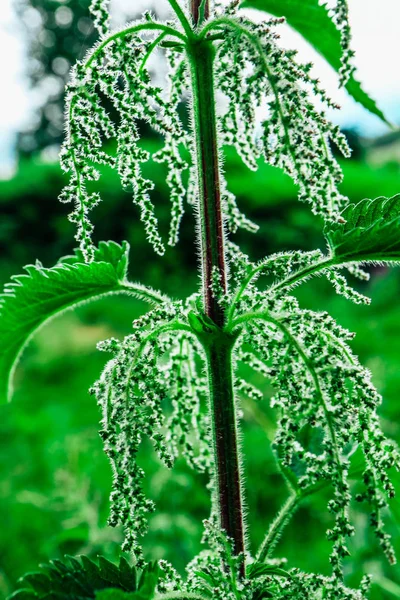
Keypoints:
pixel 55 479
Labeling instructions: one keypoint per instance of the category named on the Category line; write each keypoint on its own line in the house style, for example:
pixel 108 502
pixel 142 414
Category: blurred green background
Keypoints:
pixel 55 479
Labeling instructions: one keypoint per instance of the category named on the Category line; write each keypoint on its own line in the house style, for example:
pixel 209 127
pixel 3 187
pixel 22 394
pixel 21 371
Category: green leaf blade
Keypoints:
pixel 80 579
pixel 312 21
pixel 32 299
pixel 370 232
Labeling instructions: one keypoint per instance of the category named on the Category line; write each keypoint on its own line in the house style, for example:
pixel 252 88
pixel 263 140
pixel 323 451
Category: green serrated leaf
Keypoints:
pixel 311 19
pixel 74 562
pixel 370 232
pixel 92 572
pixel 35 297
pixel 38 581
pixel 64 576
pixel 127 574
pixel 109 572
pixel 83 579
pixel 32 299
pixel 110 252
pixel 59 566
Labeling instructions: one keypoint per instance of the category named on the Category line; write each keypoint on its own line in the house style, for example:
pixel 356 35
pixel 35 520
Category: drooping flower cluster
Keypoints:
pixel 174 137
pixel 255 75
pixel 325 398
pixel 99 10
pixel 258 76
pixel 117 71
pixel 340 16
pixel 81 150
pixel 152 387
pixel 342 288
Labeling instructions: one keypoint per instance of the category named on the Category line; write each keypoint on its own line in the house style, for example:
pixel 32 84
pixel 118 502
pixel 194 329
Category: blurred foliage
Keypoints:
pixel 55 478
pixel 57 34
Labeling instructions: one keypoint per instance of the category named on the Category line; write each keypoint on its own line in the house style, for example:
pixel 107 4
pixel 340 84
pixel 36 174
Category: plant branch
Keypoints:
pixel 283 517
pixel 277 526
pixel 300 276
pixel 303 275
pixel 152 47
pixel 143 292
pixel 182 17
pixel 119 35
pixel 258 47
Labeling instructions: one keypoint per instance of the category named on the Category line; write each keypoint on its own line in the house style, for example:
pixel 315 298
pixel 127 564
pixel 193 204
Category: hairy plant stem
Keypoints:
pixel 228 498
pixel 195 9
pixel 218 344
pixel 277 526
pixel 211 227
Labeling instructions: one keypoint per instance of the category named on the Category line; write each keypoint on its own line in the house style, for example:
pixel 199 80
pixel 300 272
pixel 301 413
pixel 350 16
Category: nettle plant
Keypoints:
pixel 174 378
